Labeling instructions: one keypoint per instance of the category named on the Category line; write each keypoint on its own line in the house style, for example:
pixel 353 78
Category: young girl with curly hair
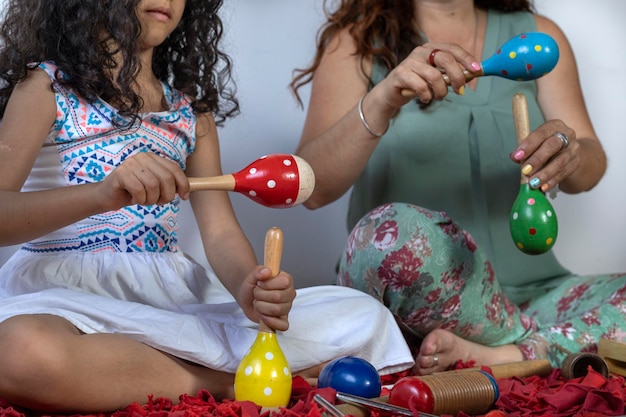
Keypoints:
pixel 107 107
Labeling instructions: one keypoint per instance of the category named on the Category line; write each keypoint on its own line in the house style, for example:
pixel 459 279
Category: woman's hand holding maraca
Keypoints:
pixel 549 155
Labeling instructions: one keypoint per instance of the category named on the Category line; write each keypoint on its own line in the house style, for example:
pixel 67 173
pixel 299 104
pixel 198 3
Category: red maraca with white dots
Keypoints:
pixel 277 181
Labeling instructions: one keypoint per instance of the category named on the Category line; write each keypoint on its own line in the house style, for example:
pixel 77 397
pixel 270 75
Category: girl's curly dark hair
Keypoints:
pixel 77 35
pixel 381 29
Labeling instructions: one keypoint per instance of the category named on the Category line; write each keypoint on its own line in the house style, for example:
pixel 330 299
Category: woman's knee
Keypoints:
pixel 401 254
pixel 400 242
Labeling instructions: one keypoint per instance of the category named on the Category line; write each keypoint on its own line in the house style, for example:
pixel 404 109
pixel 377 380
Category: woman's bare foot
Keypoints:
pixel 441 349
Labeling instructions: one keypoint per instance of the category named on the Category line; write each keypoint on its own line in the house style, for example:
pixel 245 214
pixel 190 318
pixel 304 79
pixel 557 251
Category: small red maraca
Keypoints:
pixel 524 57
pixel 278 181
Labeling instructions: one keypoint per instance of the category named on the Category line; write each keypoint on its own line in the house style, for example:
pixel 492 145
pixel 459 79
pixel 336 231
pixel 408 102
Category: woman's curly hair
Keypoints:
pixel 77 35
pixel 381 29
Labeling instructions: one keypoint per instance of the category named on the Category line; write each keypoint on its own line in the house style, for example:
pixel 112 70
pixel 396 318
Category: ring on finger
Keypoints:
pixel 431 57
pixel 564 140
pixel 436 359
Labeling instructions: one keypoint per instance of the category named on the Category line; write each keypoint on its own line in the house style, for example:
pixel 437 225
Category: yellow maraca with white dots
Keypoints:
pixel 263 375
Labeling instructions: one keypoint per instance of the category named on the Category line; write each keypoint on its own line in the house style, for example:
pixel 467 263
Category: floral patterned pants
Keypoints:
pixel 431 274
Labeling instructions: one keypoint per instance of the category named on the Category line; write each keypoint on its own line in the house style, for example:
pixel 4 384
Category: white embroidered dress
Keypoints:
pixel 123 272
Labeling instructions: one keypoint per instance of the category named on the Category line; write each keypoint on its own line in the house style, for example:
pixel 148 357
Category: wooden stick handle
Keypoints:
pixel 273 250
pixel 520 117
pixel 541 367
pixel 521 122
pixel 520 369
pixel 222 182
pixel 273 253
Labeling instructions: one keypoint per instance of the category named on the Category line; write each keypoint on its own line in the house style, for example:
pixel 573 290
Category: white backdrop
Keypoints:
pixel 268 39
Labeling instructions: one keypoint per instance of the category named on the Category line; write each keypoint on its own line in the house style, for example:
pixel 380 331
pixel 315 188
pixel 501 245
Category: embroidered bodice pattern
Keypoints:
pixel 90 146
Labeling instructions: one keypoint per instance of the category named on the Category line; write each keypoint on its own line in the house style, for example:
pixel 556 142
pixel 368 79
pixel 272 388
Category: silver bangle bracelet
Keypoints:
pixel 365 125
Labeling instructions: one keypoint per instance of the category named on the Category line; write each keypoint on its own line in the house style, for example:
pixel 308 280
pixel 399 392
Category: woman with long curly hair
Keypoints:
pixel 434 169
pixel 107 107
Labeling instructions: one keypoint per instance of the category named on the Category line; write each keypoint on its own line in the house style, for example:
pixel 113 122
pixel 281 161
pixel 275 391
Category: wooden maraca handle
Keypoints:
pixel 273 253
pixel 521 121
pixel 520 117
pixel 273 250
pixel 222 182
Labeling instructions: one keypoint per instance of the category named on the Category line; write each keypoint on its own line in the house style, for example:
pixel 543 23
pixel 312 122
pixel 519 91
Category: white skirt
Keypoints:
pixel 172 303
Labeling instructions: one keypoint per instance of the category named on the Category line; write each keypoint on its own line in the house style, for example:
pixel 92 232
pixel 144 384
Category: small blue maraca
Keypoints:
pixel 524 57
pixel 351 375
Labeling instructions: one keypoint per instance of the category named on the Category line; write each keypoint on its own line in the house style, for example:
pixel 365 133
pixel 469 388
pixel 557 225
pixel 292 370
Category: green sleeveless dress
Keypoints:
pixel 453 156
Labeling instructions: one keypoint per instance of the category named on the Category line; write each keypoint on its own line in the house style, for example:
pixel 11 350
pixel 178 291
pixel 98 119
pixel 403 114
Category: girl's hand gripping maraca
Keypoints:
pixel 144 178
pixel 267 294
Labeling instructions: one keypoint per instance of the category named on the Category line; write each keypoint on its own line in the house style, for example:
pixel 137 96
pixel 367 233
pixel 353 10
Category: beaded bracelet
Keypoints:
pixel 365 125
